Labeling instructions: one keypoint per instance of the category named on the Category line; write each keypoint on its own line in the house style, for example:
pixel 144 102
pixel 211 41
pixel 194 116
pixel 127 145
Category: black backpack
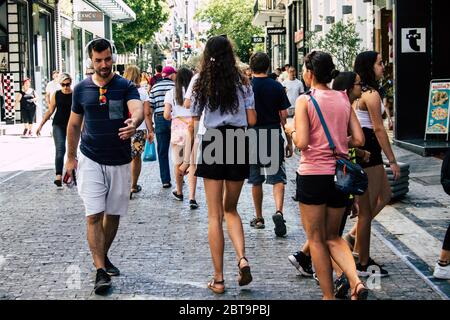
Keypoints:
pixel 445 173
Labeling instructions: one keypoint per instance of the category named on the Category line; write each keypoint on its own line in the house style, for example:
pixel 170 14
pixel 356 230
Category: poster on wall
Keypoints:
pixel 3 61
pixel 438 107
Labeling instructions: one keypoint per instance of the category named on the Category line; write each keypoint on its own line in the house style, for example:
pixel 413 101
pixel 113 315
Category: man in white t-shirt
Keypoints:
pixel 294 88
pixel 285 74
pixel 52 87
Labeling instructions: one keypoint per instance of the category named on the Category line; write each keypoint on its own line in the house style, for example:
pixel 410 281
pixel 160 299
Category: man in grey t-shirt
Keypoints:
pixel 294 88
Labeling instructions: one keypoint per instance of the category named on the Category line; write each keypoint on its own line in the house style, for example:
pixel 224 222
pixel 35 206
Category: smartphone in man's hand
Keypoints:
pixel 70 180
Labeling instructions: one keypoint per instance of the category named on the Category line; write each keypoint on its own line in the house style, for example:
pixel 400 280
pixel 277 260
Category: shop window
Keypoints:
pixel 65 55
pixel 78 51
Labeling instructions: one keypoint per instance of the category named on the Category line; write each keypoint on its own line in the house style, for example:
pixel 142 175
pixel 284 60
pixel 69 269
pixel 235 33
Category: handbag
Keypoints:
pixel 149 152
pixel 179 129
pixel 349 178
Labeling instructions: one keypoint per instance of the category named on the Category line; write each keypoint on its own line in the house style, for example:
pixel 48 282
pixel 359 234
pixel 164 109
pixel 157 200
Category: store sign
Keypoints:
pixel 438 107
pixel 276 31
pixel 257 39
pixel 90 16
pixel 414 40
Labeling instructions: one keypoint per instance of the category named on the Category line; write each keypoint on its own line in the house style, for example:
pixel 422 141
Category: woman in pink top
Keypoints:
pixel 321 205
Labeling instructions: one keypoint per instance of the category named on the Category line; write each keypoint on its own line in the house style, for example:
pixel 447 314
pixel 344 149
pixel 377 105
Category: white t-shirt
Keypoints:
pixel 201 125
pixel 144 97
pixel 52 87
pixel 294 88
pixel 283 76
pixel 177 110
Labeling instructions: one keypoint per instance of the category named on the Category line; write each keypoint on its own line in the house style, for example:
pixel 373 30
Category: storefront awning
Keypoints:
pixel 117 10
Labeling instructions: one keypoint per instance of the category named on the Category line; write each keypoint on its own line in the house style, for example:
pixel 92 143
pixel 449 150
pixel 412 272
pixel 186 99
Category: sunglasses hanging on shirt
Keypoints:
pixel 102 98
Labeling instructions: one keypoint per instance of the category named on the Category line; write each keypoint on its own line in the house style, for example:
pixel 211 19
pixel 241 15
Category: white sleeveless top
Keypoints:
pixel 364 116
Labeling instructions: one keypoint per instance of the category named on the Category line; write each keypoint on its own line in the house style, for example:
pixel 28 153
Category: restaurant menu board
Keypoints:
pixel 438 108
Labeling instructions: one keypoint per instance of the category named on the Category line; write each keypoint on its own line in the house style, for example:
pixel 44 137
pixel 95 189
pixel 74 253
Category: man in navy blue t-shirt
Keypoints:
pixel 271 103
pixel 101 106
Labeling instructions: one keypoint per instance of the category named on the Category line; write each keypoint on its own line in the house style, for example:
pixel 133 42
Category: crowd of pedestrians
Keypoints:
pixel 227 125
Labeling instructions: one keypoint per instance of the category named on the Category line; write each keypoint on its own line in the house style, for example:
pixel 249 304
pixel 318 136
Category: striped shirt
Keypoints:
pixel 158 94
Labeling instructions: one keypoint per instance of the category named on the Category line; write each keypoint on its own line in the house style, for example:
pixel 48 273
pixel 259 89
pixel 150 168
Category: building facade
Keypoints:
pixel 39 36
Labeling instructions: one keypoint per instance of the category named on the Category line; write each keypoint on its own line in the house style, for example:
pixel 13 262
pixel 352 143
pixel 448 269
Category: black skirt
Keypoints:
pixel 224 157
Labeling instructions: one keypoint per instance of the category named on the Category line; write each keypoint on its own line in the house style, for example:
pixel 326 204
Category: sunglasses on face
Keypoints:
pixel 65 84
pixel 102 98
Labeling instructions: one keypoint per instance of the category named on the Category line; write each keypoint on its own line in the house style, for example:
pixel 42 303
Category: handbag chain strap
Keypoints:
pixel 324 125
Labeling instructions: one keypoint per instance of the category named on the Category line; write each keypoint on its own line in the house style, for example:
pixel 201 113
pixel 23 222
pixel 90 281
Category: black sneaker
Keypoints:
pixel 341 287
pixel 371 269
pixel 302 262
pixel 193 204
pixel 102 282
pixel 177 196
pixel 110 268
pixel 167 185
pixel 58 184
pixel 280 226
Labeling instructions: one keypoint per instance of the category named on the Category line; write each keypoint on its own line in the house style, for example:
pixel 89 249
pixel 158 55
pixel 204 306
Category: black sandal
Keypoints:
pixel 362 293
pixel 245 276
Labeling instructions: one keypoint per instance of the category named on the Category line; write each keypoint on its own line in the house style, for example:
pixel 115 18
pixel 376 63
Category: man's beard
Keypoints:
pixel 104 72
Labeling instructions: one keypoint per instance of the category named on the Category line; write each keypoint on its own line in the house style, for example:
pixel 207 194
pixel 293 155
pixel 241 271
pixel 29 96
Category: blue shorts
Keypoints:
pixel 257 176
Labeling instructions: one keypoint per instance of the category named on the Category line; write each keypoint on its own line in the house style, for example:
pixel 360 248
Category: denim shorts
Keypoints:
pixel 258 175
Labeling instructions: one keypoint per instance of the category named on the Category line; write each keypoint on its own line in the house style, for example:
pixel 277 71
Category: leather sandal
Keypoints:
pixel 245 276
pixel 362 293
pixel 213 288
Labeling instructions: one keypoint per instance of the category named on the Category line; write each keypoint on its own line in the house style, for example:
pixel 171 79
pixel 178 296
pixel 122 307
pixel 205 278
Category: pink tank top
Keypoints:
pixel 318 158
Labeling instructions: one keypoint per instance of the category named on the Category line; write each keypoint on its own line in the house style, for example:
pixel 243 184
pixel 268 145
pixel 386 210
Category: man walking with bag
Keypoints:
pixel 162 126
pixel 101 103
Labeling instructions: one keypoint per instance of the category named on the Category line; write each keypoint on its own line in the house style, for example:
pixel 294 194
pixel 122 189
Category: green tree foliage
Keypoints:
pixel 150 16
pixel 233 18
pixel 342 42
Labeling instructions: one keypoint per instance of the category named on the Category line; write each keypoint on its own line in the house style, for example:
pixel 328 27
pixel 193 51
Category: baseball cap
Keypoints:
pixel 168 70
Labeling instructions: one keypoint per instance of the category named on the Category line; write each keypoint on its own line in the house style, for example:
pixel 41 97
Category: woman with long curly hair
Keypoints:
pixel 225 98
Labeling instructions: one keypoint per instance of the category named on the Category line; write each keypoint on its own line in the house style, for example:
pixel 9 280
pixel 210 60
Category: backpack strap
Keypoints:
pixel 324 125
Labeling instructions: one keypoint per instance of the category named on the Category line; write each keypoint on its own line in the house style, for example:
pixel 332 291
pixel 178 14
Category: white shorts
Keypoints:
pixel 103 188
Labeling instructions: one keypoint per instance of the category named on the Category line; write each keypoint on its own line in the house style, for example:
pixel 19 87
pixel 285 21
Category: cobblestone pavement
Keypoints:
pixel 162 246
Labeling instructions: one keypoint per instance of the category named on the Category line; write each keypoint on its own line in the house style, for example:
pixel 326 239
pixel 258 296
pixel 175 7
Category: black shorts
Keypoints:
pixel 318 190
pixel 220 169
pixel 28 115
pixel 373 147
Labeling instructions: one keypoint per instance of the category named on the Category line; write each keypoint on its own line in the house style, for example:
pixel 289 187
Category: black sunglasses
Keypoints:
pixel 65 84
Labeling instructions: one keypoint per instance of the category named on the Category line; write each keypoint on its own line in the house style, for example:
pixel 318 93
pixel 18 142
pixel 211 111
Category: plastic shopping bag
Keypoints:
pixel 149 152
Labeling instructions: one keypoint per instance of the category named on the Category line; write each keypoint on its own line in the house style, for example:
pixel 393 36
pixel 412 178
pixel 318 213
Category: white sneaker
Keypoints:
pixel 442 272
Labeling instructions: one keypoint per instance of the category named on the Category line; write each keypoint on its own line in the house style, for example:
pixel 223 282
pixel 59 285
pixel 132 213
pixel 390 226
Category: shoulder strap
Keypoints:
pixel 324 125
